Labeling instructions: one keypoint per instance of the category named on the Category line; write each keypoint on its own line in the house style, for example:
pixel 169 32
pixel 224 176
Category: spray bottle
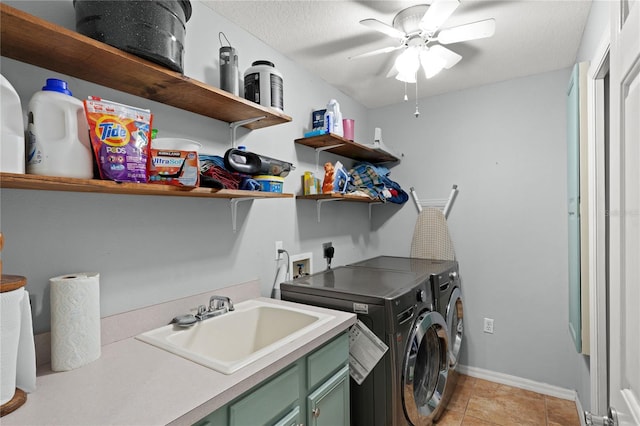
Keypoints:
pixel 333 118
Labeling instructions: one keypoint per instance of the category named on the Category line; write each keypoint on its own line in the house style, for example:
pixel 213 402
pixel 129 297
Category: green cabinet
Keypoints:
pixel 329 404
pixel 314 390
pixel 266 404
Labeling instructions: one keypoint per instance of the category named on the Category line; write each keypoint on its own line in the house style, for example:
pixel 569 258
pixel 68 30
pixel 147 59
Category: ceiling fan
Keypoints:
pixel 421 36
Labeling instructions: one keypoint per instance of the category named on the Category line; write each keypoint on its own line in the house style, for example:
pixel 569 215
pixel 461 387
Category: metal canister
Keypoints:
pixel 229 79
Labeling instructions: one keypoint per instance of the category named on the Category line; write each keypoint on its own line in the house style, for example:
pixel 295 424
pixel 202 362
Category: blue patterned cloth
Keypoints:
pixel 374 181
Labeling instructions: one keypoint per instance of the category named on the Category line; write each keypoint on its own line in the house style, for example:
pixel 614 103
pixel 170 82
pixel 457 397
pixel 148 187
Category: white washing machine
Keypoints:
pixel 407 386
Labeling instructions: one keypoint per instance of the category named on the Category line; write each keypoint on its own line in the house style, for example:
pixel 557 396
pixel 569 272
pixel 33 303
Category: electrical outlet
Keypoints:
pixel 279 246
pixel 488 325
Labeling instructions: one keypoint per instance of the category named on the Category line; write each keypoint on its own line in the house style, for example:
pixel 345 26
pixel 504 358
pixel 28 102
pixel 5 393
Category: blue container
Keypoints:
pixel 270 183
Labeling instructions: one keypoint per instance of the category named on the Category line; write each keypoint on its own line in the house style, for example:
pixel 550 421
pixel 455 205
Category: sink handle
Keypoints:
pixel 219 302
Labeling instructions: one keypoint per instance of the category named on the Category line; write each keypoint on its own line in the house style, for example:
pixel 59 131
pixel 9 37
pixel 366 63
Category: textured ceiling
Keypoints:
pixel 532 36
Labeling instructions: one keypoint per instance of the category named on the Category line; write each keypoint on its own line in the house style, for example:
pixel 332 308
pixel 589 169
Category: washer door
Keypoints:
pixel 455 323
pixel 425 369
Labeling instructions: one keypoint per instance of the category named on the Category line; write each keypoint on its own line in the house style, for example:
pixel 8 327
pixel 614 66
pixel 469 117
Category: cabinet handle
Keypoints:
pixel 316 412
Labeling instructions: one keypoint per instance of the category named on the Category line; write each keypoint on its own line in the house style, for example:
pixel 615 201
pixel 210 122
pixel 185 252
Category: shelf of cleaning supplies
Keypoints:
pixel 53 183
pixel 32 40
pixel 346 148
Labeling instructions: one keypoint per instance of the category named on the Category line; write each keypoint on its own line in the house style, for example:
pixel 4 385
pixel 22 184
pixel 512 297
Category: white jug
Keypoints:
pixel 11 130
pixel 58 135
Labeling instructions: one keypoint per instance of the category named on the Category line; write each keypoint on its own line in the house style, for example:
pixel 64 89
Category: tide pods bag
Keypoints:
pixel 120 136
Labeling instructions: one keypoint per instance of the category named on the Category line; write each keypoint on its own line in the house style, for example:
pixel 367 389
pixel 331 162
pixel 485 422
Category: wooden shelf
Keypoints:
pixel 347 148
pixel 320 199
pixel 32 40
pixel 337 197
pixel 52 183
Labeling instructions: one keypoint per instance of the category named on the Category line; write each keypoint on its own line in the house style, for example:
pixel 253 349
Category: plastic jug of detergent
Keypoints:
pixel 58 135
pixel 333 118
pixel 11 130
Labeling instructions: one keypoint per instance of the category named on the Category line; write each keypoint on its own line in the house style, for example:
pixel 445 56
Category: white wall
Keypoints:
pixel 504 146
pixel 152 249
pixel 597 25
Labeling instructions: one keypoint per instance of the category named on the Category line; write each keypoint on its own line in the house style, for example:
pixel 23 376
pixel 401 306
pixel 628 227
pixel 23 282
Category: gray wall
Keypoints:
pixel 152 249
pixel 502 144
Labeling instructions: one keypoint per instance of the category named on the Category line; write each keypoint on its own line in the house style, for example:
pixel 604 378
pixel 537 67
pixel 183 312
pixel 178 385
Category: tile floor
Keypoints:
pixel 478 402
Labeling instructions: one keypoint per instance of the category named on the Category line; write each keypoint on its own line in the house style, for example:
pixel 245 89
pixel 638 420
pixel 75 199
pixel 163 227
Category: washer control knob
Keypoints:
pixel 453 275
pixel 421 295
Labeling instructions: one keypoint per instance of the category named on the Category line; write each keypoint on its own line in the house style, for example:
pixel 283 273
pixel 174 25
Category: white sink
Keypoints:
pixel 233 340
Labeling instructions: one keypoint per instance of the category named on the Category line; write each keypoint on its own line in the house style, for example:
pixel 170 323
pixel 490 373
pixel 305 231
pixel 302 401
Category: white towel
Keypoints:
pixel 431 238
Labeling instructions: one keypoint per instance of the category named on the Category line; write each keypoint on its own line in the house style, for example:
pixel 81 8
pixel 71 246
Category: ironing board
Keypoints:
pixel 431 239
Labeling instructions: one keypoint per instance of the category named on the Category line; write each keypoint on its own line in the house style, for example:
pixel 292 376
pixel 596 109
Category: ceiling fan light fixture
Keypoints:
pixel 432 64
pixel 422 33
pixel 407 64
pixel 406 77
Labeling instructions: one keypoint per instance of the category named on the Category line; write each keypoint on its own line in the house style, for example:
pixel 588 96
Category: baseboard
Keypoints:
pixel 583 421
pixel 518 382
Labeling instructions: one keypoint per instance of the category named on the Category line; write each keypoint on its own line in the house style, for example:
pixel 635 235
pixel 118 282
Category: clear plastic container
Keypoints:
pixel 12 130
pixel 58 135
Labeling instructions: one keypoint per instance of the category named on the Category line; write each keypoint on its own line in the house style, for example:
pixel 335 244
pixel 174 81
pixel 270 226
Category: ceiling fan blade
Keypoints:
pixel 374 24
pixel 375 52
pixel 473 31
pixel 450 57
pixel 437 14
pixel 393 71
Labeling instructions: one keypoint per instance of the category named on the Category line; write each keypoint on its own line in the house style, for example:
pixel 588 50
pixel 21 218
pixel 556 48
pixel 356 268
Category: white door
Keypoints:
pixel 624 331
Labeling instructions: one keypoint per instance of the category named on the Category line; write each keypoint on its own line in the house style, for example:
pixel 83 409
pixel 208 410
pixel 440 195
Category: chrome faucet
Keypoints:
pixel 216 301
pixel 218 305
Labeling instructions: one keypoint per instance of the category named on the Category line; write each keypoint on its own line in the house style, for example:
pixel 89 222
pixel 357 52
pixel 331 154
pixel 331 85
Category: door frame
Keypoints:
pixel 599 67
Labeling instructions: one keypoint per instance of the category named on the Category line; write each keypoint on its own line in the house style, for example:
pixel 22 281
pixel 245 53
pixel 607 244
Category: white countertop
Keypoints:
pixel 135 383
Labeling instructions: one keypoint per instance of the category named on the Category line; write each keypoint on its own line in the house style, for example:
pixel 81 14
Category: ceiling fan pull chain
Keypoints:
pixel 417 113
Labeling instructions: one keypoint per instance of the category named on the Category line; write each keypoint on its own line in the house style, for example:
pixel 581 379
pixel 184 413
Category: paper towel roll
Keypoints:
pixel 10 307
pixel 26 366
pixel 75 320
pixel 17 350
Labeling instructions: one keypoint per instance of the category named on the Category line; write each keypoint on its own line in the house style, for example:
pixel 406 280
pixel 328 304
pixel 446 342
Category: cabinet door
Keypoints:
pixel 329 404
pixel 291 419
pixel 267 403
